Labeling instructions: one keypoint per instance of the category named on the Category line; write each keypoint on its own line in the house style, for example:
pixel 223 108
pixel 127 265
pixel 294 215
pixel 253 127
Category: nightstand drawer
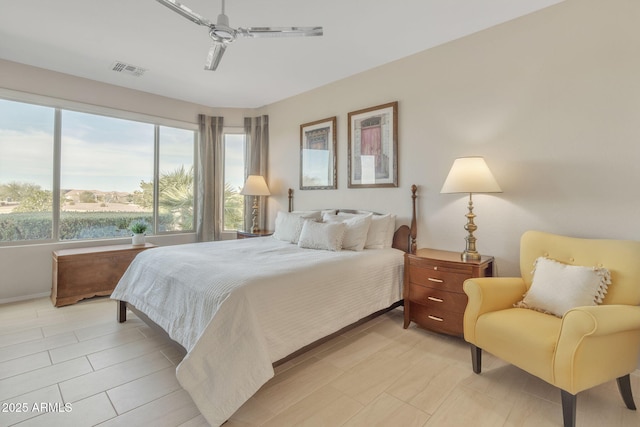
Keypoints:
pixel 437 319
pixel 453 301
pixel 433 294
pixel 437 278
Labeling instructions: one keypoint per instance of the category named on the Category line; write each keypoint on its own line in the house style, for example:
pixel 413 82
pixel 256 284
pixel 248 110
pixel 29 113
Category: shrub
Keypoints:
pixel 25 226
pixel 73 225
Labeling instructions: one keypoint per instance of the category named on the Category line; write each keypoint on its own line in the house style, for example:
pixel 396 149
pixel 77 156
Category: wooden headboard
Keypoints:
pixel 404 237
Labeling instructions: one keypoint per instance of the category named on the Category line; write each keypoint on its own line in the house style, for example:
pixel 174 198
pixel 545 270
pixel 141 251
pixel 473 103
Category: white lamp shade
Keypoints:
pixel 255 185
pixel 470 175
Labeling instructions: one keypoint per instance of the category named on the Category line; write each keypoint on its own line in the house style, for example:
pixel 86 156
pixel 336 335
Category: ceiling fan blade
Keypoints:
pixel 280 31
pixel 215 55
pixel 185 11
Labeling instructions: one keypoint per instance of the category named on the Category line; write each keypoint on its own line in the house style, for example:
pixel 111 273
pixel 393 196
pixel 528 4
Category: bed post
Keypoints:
pixel 291 200
pixel 414 229
pixel 122 311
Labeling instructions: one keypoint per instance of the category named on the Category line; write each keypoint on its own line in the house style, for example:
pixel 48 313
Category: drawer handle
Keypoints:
pixel 435 318
pixel 435 299
pixel 431 279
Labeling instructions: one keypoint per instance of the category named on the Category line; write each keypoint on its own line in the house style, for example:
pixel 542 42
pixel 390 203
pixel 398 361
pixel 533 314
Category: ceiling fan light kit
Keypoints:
pixel 222 34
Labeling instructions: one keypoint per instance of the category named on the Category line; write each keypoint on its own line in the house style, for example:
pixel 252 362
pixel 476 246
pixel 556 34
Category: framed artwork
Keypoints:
pixel 373 147
pixel 318 155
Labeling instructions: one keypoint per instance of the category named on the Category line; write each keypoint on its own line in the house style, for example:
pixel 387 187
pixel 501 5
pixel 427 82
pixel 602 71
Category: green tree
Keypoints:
pixel 233 208
pixel 176 197
pixel 36 201
pixel 87 197
pixel 31 197
pixel 17 191
pixel 144 197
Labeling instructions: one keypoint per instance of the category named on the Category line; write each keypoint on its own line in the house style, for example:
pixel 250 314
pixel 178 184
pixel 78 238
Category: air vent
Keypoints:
pixel 131 70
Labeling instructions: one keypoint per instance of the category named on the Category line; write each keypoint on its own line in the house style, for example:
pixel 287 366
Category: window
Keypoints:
pixel 26 171
pixel 104 163
pixel 234 175
pixel 176 180
pixel 107 171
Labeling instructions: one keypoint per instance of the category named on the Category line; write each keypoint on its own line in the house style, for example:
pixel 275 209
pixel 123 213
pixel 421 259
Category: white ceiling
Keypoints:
pixel 85 37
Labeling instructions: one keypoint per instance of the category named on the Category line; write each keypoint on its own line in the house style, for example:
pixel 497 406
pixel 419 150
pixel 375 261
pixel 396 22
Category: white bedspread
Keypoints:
pixel 237 306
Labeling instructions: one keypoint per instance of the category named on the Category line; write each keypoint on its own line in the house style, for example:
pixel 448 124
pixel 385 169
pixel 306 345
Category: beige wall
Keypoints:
pixel 551 100
pixel 32 80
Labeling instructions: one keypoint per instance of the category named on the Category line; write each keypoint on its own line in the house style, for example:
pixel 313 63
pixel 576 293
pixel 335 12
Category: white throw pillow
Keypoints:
pixel 322 235
pixel 315 215
pixel 391 229
pixel 381 231
pixel 557 288
pixel 288 226
pixel 357 228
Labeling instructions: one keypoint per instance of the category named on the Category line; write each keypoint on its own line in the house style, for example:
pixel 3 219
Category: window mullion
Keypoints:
pixel 156 179
pixel 55 196
pixel 196 174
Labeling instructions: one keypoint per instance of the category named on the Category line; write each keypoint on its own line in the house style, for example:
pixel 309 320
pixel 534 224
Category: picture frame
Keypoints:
pixel 373 147
pixel 318 169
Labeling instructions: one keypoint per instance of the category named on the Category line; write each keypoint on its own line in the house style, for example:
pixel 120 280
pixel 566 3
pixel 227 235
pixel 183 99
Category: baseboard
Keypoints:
pixel 24 298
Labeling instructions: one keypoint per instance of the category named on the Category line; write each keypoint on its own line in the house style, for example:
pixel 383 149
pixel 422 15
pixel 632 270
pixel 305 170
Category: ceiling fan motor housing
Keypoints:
pixel 221 31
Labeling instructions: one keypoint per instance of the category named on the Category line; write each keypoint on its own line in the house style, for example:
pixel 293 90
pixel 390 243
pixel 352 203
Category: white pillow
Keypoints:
pixel 315 215
pixel 355 235
pixel 353 213
pixel 391 229
pixel 288 227
pixel 557 288
pixel 322 235
pixel 381 231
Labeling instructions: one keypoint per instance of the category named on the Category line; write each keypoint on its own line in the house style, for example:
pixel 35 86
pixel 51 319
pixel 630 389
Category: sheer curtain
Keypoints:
pixel 256 130
pixel 210 190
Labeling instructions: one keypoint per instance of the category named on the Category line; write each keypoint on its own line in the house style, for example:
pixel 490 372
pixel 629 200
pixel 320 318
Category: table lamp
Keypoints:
pixel 470 175
pixel 255 186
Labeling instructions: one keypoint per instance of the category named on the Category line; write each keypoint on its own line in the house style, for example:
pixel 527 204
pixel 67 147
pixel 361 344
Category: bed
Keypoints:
pixel 240 307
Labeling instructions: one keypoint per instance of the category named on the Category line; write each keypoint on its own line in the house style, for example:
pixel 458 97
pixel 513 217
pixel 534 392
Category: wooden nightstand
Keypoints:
pixel 433 295
pixel 249 234
pixel 88 272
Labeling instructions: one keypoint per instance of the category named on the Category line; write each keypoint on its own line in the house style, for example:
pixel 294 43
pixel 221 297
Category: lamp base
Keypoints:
pixel 254 215
pixel 470 253
pixel 470 256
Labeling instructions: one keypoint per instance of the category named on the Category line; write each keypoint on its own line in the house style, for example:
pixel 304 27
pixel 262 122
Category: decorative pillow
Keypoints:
pixel 558 287
pixel 288 227
pixel 315 215
pixel 381 231
pixel 322 235
pixel 356 231
pixel 391 229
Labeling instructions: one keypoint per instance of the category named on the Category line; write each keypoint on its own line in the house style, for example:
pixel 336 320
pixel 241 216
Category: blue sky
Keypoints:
pixel 234 160
pixel 98 152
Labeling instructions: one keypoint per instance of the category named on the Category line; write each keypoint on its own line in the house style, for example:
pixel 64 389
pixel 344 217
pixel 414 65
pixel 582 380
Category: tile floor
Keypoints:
pixel 376 374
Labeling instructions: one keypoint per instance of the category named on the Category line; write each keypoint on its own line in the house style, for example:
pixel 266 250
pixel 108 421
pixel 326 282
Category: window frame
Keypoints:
pixel 232 130
pixel 57 106
pixel 156 180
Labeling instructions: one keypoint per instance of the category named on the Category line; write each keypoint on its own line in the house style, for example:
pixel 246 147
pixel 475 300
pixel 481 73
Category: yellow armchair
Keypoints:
pixel 588 345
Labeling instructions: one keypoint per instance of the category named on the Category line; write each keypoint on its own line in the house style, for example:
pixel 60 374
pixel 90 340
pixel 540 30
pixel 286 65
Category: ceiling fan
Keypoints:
pixel 222 34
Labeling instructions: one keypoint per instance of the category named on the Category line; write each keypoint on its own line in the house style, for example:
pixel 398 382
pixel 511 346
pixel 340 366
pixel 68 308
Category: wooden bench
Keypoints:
pixel 88 272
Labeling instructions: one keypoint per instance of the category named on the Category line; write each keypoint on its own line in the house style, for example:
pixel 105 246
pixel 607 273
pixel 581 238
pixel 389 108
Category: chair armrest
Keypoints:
pixel 493 293
pixel 596 344
pixel 488 294
pixel 600 320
